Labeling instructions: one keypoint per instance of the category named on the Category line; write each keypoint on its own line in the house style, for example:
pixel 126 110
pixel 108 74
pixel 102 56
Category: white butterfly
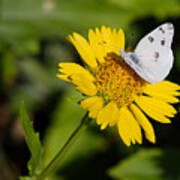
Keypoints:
pixel 153 57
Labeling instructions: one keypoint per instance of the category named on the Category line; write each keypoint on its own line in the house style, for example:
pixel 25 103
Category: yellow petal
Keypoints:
pixel 164 91
pixel 83 48
pixel 106 41
pixel 83 85
pixel 93 105
pixel 156 109
pixel 108 115
pixel 73 68
pixel 105 35
pixel 128 127
pixel 164 86
pixel 169 85
pixel 144 122
pixel 162 96
pixel 96 45
pixel 115 40
pixel 63 77
pixel 76 74
pixel 118 39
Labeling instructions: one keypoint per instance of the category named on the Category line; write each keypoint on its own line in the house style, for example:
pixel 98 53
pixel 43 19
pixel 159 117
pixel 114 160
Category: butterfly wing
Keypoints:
pixel 135 63
pixel 155 54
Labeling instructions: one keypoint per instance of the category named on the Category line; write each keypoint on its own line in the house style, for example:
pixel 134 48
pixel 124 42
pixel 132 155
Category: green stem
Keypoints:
pixel 53 163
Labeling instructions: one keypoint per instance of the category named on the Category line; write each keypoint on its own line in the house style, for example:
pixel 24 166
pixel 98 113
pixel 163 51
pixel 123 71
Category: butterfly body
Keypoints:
pixel 153 58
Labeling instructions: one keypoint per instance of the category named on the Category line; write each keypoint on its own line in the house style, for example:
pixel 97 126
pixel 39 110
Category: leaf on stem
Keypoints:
pixel 32 140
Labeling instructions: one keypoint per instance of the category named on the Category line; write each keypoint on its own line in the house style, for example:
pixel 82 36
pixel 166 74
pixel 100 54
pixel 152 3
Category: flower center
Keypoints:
pixel 116 81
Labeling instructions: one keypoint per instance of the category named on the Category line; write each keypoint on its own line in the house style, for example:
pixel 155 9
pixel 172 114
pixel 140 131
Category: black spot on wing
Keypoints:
pixel 162 42
pixel 151 39
pixel 156 55
pixel 162 30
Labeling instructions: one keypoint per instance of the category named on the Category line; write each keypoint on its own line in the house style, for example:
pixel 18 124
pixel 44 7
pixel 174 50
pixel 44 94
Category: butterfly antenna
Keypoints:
pixel 129 46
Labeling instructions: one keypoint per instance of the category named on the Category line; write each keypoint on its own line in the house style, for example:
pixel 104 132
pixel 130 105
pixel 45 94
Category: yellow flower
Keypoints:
pixel 116 95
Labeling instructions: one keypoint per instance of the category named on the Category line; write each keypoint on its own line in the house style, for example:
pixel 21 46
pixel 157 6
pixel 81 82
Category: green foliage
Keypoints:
pixel 150 164
pixel 62 17
pixel 25 178
pixel 33 142
pixel 139 8
pixel 66 118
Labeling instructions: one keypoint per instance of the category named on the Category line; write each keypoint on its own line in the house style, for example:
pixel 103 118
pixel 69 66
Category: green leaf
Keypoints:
pixel 32 140
pixel 152 164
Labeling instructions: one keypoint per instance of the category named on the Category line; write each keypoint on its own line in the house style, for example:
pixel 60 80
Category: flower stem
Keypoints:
pixel 53 163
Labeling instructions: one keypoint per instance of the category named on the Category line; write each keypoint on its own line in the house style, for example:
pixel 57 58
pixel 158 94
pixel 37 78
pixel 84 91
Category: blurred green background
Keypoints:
pixel 32 43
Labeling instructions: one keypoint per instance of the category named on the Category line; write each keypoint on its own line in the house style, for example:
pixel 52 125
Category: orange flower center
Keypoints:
pixel 116 81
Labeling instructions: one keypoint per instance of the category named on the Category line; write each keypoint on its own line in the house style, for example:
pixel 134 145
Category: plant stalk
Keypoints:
pixel 51 167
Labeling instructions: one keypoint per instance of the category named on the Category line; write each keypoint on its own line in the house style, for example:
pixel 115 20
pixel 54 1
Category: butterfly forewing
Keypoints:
pixel 162 35
pixel 154 52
